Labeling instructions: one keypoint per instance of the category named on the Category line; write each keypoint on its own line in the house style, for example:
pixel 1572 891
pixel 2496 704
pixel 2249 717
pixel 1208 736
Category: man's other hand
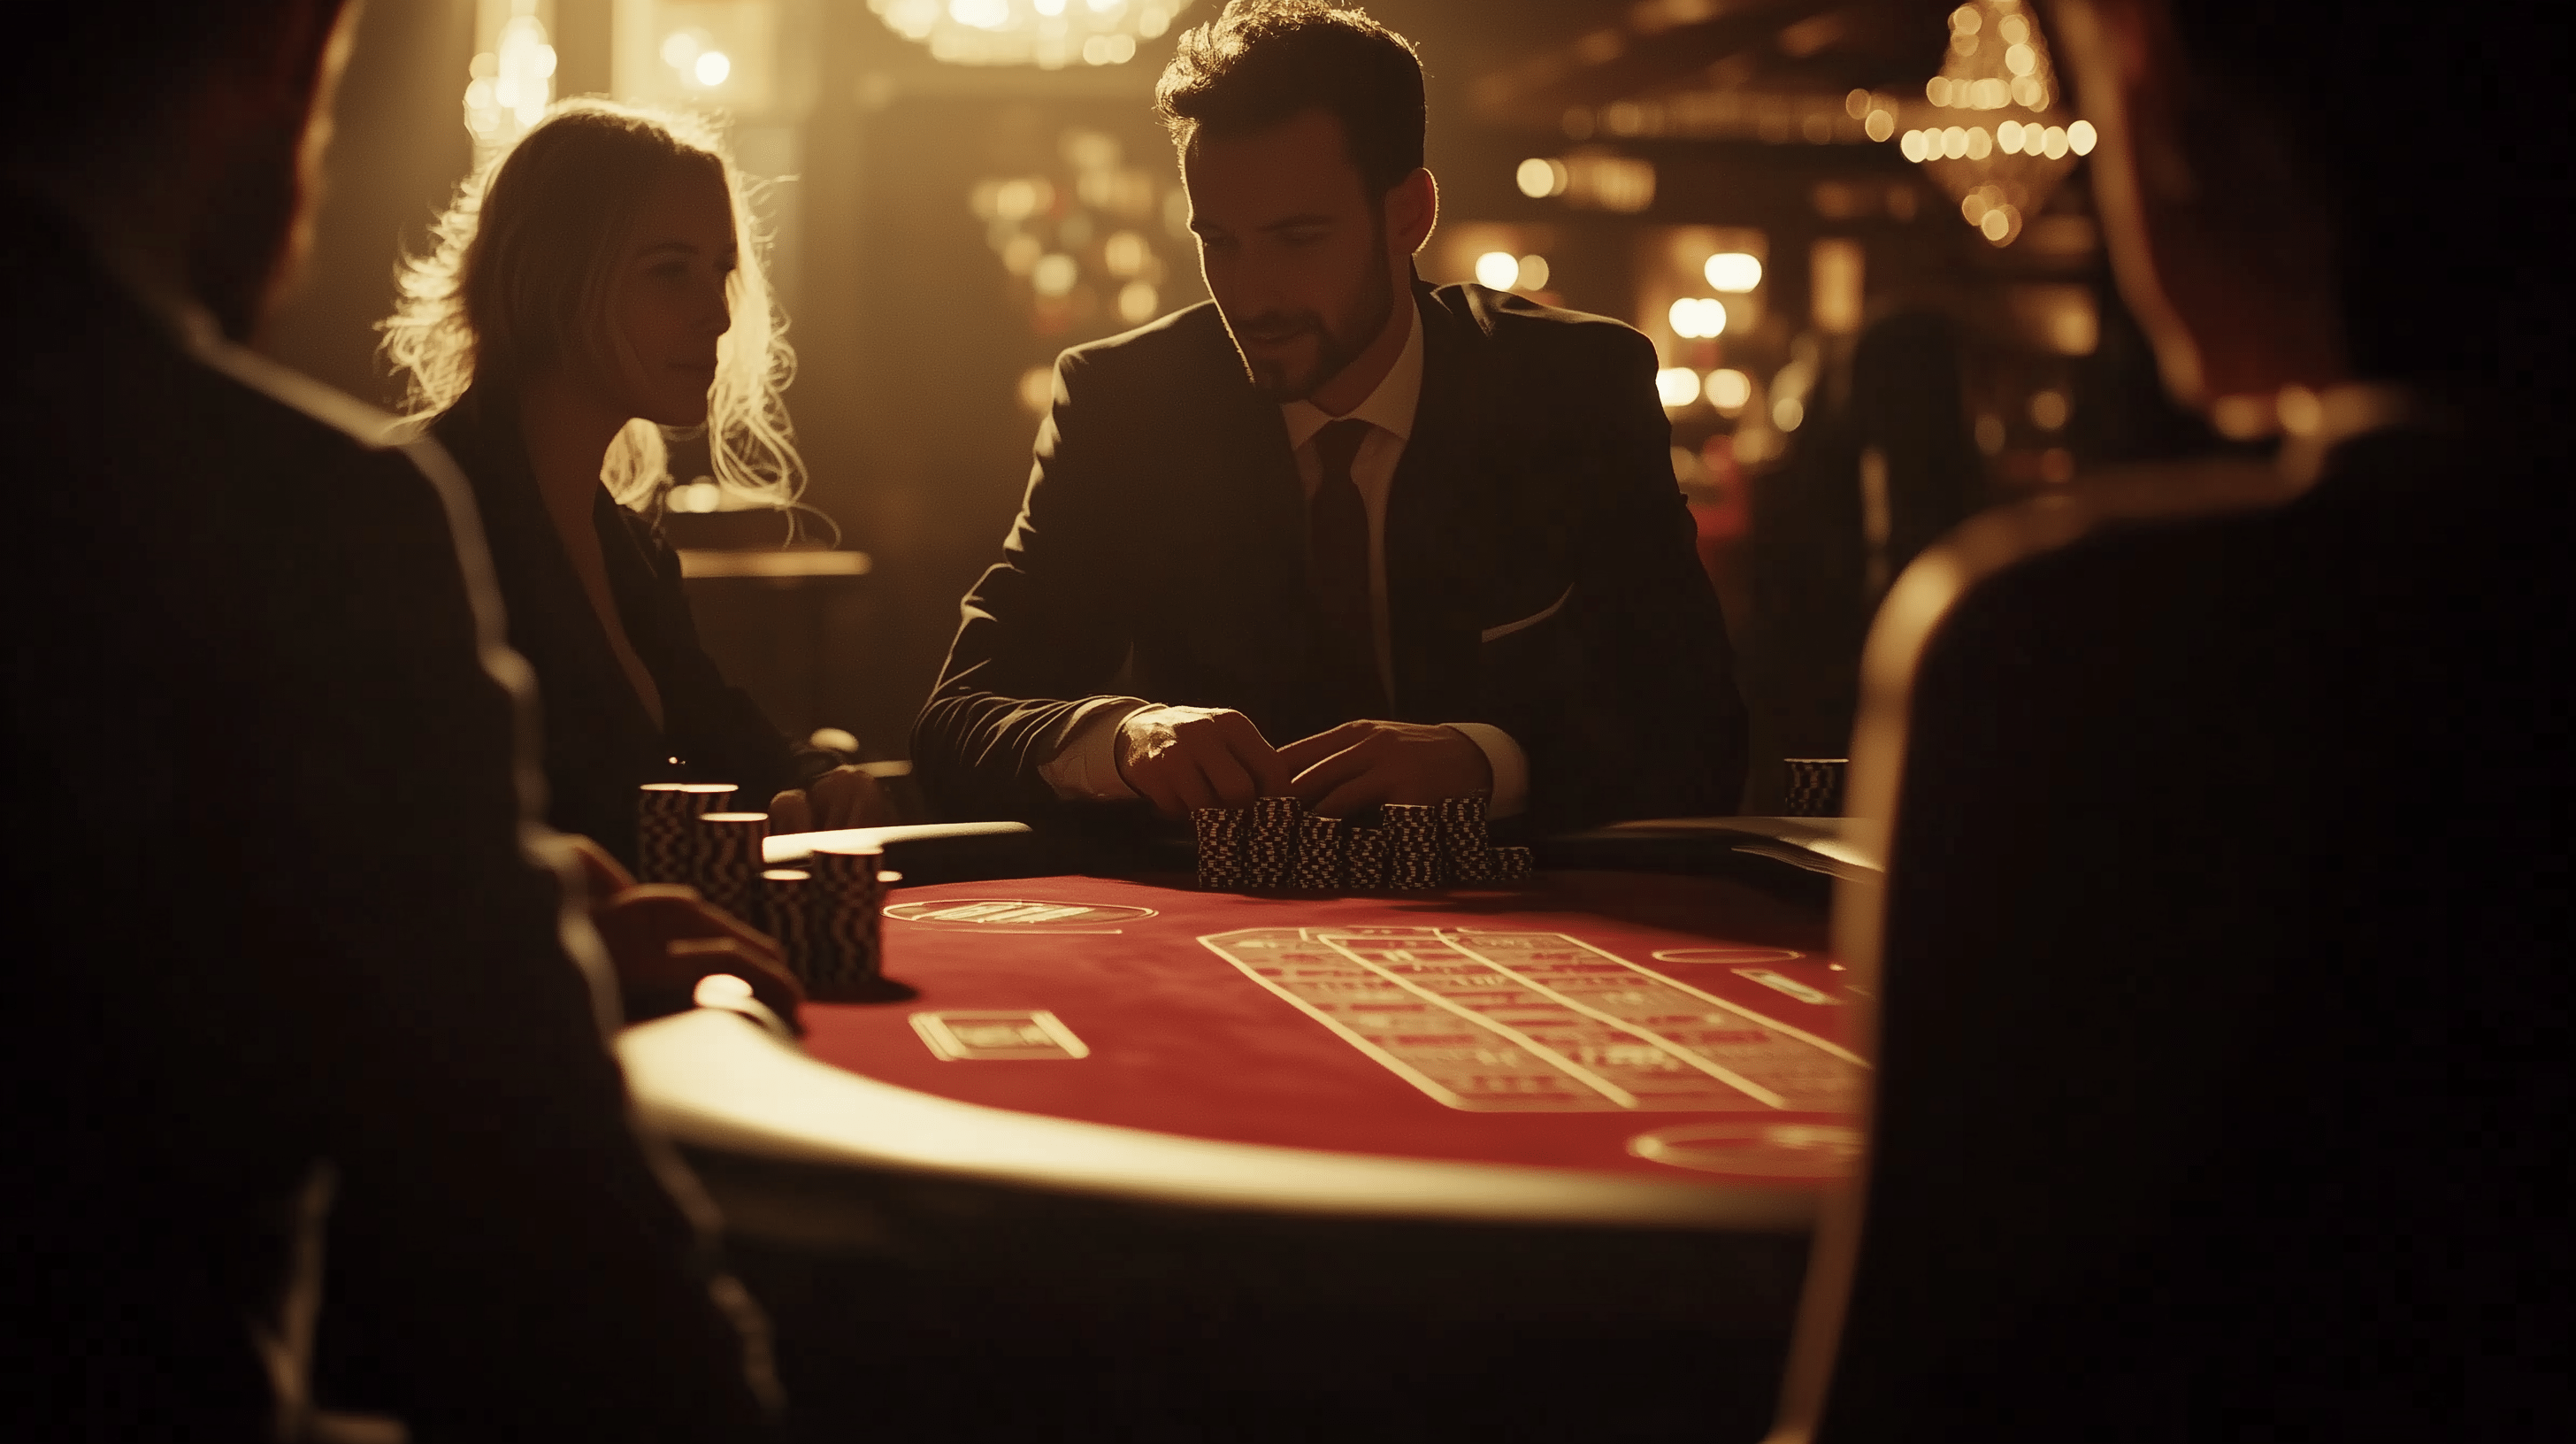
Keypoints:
pixel 1184 758
pixel 1361 764
pixel 842 797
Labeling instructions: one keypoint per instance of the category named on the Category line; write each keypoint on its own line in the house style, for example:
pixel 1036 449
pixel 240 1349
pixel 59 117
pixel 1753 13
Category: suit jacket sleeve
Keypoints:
pixel 1044 629
pixel 1644 717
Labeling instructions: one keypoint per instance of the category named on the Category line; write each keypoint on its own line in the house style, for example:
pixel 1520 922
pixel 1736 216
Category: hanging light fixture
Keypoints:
pixel 1050 34
pixel 1992 128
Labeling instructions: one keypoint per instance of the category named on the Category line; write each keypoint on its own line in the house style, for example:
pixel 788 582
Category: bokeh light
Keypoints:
pixel 1678 386
pixel 1698 318
pixel 1498 270
pixel 1037 389
pixel 1054 275
pixel 1539 177
pixel 1138 302
pixel 1534 273
pixel 1728 390
pixel 1733 272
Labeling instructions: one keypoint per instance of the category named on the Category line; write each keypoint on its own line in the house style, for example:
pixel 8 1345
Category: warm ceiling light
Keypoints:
pixel 1050 34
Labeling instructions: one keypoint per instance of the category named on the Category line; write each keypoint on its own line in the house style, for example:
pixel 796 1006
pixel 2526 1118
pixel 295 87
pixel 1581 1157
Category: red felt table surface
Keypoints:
pixel 1184 1041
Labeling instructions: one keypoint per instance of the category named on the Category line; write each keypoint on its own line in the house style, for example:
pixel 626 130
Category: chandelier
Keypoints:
pixel 1993 129
pixel 1050 34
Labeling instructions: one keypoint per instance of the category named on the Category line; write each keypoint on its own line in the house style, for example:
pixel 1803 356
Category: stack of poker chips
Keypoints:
pixel 725 860
pixel 845 910
pixel 1318 867
pixel 1270 842
pixel 1364 858
pixel 1465 853
pixel 787 914
pixel 666 820
pixel 1417 847
pixel 1412 846
pixel 1815 786
pixel 1220 834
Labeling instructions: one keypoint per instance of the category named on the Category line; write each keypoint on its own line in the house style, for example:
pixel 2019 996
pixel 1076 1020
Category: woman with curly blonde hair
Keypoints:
pixel 593 286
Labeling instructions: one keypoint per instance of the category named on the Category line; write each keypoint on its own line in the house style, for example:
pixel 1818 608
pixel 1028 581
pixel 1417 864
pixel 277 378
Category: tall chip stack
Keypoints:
pixel 848 897
pixel 1270 843
pixel 1319 854
pixel 1364 858
pixel 1412 846
pixel 787 914
pixel 1464 848
pixel 726 860
pixel 1221 858
pixel 666 819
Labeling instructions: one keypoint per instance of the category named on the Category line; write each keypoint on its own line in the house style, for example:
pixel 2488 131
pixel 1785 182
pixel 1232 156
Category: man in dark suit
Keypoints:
pixel 1429 539
pixel 311 1045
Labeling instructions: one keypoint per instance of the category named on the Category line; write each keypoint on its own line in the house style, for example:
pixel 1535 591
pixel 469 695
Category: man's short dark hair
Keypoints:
pixel 1263 61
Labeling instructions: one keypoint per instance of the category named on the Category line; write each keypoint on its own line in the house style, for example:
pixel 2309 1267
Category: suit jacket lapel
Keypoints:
pixel 1431 619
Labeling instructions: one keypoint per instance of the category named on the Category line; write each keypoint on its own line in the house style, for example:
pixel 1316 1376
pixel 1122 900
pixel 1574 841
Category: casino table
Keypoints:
pixel 1138 1161
pixel 1590 1049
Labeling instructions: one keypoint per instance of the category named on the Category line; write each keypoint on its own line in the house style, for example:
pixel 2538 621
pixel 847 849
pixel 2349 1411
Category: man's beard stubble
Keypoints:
pixel 1336 346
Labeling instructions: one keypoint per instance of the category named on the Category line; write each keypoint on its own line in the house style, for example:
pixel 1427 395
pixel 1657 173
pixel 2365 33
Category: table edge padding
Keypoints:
pixel 715 1084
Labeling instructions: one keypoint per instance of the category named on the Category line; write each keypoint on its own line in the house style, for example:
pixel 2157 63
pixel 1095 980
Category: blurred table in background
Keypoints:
pixel 796 630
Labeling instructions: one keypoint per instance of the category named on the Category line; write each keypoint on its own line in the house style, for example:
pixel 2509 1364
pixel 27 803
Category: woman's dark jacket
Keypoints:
pixel 600 743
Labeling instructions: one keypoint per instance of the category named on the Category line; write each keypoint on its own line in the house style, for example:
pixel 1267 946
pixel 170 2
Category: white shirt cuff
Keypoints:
pixel 1510 764
pixel 1086 769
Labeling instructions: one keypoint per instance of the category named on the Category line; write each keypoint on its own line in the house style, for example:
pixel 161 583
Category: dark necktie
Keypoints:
pixel 1337 571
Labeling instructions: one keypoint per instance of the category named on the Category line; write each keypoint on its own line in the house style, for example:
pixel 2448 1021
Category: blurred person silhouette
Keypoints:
pixel 2241 1111
pixel 315 1013
pixel 595 283
pixel 1873 482
pixel 1337 532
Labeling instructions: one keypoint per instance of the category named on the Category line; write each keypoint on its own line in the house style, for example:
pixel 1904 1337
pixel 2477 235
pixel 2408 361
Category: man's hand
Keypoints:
pixel 662 938
pixel 1361 764
pixel 842 797
pixel 1184 758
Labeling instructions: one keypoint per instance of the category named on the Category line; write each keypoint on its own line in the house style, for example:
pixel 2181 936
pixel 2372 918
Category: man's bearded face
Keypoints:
pixel 1294 250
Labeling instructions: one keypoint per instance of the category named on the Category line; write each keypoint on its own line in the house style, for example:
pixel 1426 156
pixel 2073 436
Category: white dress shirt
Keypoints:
pixel 1088 765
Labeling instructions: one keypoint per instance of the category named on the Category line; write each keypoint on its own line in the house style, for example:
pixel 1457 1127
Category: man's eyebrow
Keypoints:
pixel 1287 223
